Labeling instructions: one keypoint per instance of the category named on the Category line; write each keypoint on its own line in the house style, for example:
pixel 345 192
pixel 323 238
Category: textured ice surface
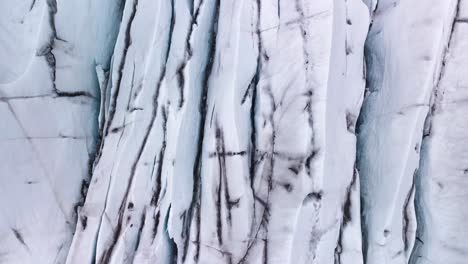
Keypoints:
pixel 233 131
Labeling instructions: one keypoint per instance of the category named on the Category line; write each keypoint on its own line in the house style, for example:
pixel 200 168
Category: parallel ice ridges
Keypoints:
pixel 193 213
pixel 228 130
pixel 136 203
pixel 107 242
pixel 270 92
pixel 382 222
pixel 441 183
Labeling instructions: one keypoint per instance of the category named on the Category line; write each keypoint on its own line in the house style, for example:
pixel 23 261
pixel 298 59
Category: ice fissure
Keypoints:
pixel 233 131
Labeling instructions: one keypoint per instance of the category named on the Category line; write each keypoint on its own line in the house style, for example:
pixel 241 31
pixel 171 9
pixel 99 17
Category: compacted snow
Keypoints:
pixel 233 131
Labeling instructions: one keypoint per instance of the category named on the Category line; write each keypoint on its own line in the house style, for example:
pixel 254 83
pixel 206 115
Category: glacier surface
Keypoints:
pixel 233 131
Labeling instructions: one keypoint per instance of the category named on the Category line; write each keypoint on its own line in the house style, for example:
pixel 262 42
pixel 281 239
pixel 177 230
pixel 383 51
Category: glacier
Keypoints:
pixel 233 131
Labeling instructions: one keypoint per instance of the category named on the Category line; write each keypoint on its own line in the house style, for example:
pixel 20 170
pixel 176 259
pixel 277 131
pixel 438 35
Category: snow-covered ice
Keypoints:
pixel 233 131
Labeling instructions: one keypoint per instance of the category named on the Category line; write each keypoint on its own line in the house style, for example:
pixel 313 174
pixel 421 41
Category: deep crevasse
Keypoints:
pixel 232 132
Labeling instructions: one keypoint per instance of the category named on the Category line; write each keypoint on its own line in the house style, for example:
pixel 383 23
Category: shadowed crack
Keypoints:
pixel 127 43
pixel 33 3
pixel 195 205
pixel 406 213
pixel 140 229
pixel 20 238
pixel 227 154
pixel 74 94
pixel 421 231
pixel 188 53
pixel 346 210
pixel 107 253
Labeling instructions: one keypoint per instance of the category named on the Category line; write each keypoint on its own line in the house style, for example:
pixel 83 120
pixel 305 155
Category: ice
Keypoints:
pixel 233 131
